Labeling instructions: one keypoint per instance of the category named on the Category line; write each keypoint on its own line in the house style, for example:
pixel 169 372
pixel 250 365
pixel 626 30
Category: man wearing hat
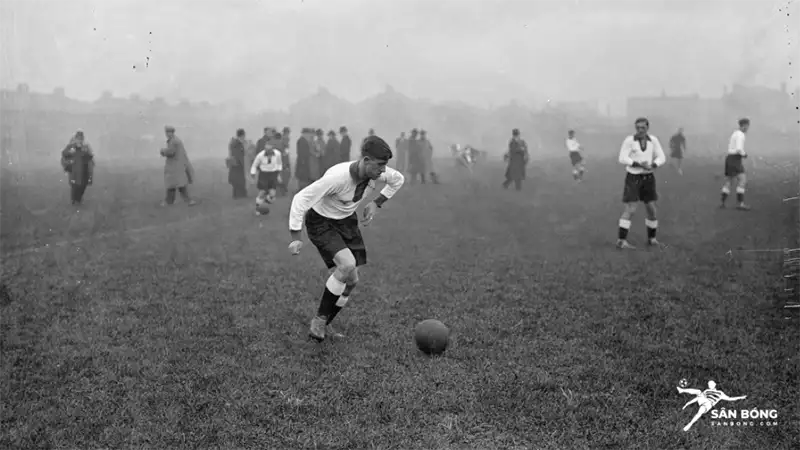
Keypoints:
pixel 77 159
pixel 344 145
pixel 401 147
pixel 427 156
pixel 178 171
pixel 303 171
pixel 517 158
pixel 331 156
pixel 236 164
pixel 328 209
pixel 416 160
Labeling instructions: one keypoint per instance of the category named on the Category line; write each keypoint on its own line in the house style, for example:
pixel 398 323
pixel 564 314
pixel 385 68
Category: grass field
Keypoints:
pixel 129 326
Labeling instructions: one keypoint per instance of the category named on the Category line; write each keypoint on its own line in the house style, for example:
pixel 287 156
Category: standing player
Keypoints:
pixel 575 156
pixel 328 208
pixel 641 154
pixel 677 147
pixel 734 166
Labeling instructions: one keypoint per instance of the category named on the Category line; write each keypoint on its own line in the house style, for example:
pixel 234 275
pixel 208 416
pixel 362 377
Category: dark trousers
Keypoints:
pixel 517 184
pixel 239 190
pixel 77 192
pixel 171 194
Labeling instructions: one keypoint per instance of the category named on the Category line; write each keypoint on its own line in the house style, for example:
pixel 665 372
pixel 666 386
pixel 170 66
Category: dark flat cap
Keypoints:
pixel 342 129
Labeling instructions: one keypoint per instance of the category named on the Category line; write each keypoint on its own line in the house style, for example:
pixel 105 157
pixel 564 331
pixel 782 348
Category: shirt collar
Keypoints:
pixel 646 137
pixel 354 172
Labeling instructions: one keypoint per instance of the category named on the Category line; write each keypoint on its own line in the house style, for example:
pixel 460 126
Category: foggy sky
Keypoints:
pixel 270 53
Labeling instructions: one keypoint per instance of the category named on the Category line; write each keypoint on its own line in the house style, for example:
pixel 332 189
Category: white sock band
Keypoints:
pixel 726 190
pixel 335 286
pixel 342 301
pixel 651 223
pixel 625 223
pixel 739 190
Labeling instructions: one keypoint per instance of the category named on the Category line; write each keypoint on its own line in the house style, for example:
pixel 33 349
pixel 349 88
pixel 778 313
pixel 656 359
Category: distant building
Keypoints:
pixel 772 108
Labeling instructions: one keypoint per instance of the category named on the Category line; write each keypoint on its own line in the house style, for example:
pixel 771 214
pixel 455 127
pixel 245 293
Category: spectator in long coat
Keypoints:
pixel 427 156
pixel 178 171
pixel 319 151
pixel 303 171
pixel 416 160
pixel 331 157
pixel 345 145
pixel 401 148
pixel 517 158
pixel 77 159
pixel 237 171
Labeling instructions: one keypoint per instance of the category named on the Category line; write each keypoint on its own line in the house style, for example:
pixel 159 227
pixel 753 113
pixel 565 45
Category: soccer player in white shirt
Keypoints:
pixel 734 166
pixel 328 209
pixel 575 157
pixel 266 170
pixel 641 154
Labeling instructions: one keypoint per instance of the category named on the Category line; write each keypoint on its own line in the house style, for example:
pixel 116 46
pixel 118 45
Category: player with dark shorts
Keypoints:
pixel 734 166
pixel 641 154
pixel 328 209
pixel 575 157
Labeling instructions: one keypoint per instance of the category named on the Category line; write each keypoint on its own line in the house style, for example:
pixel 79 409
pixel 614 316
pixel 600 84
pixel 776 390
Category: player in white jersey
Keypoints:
pixel 266 171
pixel 734 166
pixel 576 158
pixel 706 399
pixel 641 154
pixel 328 209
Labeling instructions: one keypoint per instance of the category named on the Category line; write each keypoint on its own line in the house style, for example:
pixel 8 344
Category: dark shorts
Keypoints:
pixel 733 165
pixel 575 157
pixel 639 188
pixel 330 236
pixel 676 153
pixel 267 181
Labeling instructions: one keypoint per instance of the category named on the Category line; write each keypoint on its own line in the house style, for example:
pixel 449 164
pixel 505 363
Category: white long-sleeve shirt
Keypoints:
pixel 632 151
pixel 736 144
pixel 263 163
pixel 332 195
pixel 573 145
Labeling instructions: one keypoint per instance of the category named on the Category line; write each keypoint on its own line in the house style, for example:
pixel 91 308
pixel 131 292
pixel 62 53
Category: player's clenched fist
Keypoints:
pixel 295 247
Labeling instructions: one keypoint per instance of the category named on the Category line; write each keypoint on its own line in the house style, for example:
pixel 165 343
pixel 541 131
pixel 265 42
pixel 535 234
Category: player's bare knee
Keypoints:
pixel 353 280
pixel 650 208
pixel 628 212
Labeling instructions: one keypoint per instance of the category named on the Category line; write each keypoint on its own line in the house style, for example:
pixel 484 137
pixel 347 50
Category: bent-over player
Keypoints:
pixel 328 208
pixel 734 166
pixel 641 153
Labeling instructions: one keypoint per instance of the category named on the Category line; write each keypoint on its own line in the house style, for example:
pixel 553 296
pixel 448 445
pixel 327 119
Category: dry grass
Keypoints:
pixel 192 333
